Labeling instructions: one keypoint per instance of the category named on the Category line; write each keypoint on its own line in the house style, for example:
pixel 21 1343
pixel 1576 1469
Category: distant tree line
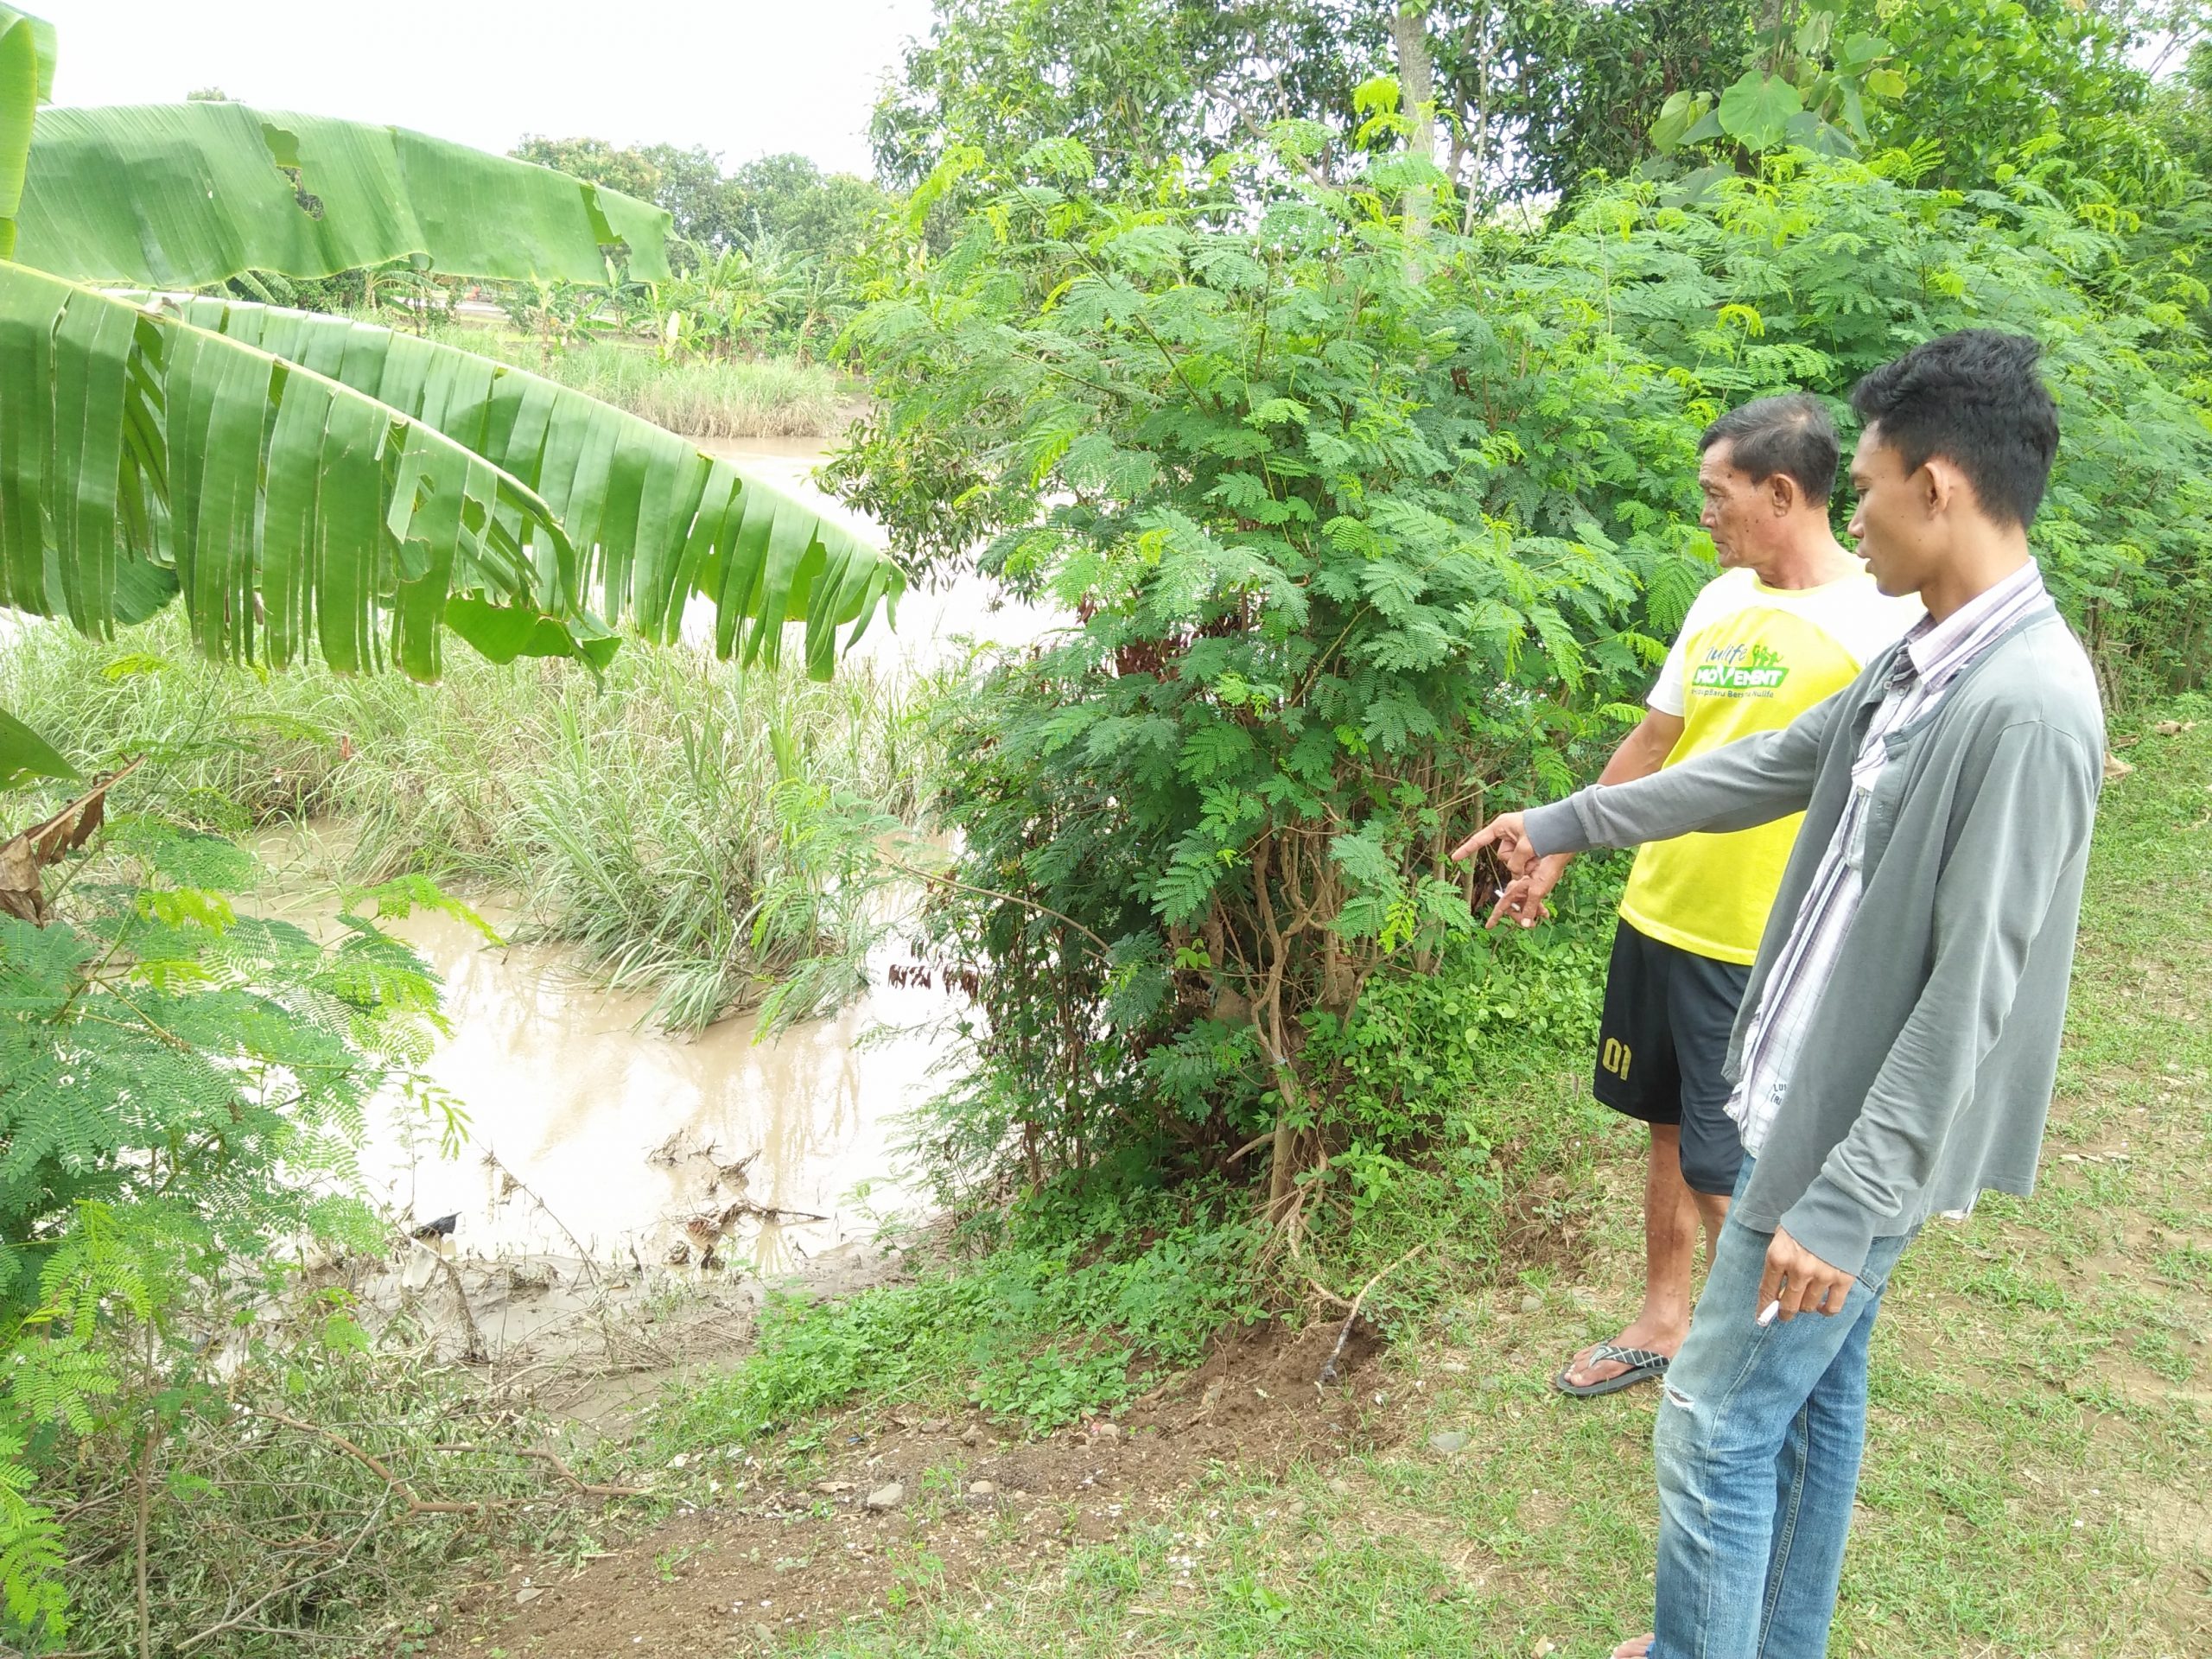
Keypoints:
pixel 784 198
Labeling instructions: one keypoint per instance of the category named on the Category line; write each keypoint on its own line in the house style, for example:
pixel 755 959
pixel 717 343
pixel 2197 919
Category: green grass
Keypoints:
pixel 772 398
pixel 1067 1315
pixel 2037 1478
pixel 693 830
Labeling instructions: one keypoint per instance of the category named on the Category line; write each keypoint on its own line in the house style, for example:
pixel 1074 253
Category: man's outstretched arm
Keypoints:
pixel 1752 781
pixel 1641 753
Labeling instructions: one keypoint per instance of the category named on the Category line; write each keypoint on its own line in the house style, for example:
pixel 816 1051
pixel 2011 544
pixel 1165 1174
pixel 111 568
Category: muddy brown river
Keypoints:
pixel 592 1134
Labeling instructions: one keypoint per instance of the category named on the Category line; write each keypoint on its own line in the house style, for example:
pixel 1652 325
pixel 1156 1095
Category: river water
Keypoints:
pixel 592 1134
pixel 932 624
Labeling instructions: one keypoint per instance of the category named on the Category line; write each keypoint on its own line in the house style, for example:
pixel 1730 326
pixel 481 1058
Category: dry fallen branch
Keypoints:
pixel 1344 1335
pixel 240 1620
pixel 590 1489
pixel 513 1182
pixel 400 1488
pixel 406 1494
pixel 477 1353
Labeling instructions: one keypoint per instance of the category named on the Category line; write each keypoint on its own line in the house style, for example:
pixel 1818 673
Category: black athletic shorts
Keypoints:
pixel 1662 1045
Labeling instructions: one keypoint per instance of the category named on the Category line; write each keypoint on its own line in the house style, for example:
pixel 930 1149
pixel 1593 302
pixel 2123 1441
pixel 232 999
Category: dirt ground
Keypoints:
pixel 780 1557
pixel 903 1500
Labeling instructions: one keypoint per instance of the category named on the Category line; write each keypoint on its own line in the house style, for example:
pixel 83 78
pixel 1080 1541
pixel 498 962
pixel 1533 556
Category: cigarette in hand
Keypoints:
pixel 1767 1314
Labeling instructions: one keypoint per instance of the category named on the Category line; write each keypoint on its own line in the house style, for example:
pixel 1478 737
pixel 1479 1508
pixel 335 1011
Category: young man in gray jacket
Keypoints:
pixel 1898 1039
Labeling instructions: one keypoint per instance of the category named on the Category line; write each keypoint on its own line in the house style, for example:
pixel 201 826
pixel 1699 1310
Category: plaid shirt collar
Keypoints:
pixel 1936 652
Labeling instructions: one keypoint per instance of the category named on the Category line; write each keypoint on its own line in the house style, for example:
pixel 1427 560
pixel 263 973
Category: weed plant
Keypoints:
pixel 693 830
pixel 766 397
pixel 1073 1303
pixel 265 1526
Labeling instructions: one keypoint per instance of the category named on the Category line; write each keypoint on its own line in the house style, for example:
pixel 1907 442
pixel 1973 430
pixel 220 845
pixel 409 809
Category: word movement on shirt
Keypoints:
pixel 1749 658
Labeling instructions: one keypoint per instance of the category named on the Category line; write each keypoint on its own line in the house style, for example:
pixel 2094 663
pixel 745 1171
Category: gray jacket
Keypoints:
pixel 1927 1072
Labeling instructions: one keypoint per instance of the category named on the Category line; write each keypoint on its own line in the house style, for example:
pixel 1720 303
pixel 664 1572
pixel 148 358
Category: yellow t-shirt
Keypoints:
pixel 1749 658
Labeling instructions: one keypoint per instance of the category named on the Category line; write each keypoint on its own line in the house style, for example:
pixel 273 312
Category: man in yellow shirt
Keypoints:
pixel 1791 619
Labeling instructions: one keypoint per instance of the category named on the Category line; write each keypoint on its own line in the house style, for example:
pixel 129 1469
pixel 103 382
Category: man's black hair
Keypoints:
pixel 1791 435
pixel 1975 399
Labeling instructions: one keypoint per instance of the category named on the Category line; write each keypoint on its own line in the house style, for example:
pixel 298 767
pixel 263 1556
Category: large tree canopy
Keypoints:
pixel 1530 95
pixel 784 198
pixel 1531 98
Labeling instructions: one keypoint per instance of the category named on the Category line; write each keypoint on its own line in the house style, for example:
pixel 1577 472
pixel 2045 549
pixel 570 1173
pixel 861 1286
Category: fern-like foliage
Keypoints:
pixel 1367 531
pixel 182 1087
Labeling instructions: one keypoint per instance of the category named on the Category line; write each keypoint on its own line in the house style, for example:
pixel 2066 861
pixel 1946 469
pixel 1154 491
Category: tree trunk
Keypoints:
pixel 1417 91
pixel 1476 119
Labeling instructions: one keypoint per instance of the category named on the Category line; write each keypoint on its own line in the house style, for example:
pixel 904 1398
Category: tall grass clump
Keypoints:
pixel 771 398
pixel 693 830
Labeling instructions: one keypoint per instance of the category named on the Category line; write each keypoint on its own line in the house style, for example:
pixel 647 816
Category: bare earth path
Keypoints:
pixel 2037 1480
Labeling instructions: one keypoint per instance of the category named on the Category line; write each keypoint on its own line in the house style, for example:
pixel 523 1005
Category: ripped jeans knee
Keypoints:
pixel 1678 1436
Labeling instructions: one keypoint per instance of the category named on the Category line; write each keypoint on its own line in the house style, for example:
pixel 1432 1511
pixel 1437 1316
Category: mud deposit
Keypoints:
pixel 774 1559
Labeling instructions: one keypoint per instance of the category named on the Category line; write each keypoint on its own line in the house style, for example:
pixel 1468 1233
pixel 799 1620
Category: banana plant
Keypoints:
pixel 184 195
pixel 649 521
pixel 300 482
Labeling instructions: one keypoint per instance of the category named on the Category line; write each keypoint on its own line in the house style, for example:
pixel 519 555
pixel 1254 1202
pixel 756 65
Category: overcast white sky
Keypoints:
pixel 743 77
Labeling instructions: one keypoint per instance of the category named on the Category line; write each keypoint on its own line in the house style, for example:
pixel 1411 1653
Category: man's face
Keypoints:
pixel 1736 509
pixel 1894 523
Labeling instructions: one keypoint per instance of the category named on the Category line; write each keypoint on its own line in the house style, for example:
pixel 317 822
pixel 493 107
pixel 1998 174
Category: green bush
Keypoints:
pixel 1427 1051
pixel 182 1085
pixel 1818 272
pixel 1367 532
pixel 1354 542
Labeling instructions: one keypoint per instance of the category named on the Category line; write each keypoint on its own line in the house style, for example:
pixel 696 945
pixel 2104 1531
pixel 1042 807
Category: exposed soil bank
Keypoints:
pixel 905 1499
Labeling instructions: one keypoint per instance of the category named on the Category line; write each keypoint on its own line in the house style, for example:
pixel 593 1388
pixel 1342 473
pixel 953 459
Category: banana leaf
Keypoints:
pixel 25 754
pixel 654 520
pixel 144 460
pixel 26 81
pixel 187 195
pixel 302 480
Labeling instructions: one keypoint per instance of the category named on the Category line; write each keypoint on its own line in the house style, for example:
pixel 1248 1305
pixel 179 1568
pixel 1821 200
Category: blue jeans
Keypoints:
pixel 1757 1442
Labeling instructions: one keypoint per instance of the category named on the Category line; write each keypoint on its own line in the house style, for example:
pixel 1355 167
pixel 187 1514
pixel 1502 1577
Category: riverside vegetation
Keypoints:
pixel 703 397
pixel 2036 1481
pixel 693 830
pixel 1344 402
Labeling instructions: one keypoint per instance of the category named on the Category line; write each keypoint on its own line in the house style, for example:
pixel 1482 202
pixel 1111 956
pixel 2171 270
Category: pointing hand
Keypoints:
pixel 1522 899
pixel 1507 835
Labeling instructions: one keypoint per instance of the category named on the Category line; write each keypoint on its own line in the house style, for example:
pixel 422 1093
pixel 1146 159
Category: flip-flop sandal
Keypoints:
pixel 1642 1365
